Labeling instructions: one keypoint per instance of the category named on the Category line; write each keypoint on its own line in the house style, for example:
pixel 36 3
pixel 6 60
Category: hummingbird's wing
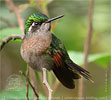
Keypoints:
pixel 65 69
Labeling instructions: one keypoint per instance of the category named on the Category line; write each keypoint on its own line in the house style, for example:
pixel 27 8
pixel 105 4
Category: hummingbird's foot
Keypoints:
pixel 46 83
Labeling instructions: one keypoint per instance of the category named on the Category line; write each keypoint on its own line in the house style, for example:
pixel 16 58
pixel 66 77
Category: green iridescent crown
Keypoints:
pixel 34 18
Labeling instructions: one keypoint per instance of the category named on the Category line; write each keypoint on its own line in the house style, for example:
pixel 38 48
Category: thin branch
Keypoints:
pixel 89 35
pixel 27 92
pixel 56 85
pixel 31 85
pixel 27 83
pixel 7 21
pixel 44 89
pixel 6 40
pixel 46 83
pixel 14 9
pixel 86 49
pixel 33 80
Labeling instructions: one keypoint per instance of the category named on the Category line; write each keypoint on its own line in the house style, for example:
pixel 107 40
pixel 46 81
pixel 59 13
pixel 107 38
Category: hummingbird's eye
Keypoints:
pixel 35 23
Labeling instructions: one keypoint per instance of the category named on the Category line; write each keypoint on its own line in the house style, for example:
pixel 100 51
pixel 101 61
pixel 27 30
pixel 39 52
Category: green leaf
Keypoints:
pixel 102 58
pixel 18 94
pixel 77 57
pixel 8 32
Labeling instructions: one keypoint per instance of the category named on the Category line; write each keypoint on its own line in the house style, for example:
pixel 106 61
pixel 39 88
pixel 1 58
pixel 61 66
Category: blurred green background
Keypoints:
pixel 72 30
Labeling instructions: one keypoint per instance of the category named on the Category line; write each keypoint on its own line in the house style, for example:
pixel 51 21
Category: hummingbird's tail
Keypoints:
pixel 75 68
pixel 67 72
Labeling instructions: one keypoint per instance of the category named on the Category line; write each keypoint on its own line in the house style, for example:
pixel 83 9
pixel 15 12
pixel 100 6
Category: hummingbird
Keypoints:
pixel 42 50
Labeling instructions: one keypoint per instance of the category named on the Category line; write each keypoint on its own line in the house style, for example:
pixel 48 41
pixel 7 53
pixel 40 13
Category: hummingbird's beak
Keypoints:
pixel 52 19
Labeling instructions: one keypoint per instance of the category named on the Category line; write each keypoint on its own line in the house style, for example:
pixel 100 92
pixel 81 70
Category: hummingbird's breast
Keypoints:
pixel 33 51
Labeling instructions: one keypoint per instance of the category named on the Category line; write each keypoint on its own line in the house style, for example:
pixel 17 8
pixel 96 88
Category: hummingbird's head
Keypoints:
pixel 34 22
pixel 37 22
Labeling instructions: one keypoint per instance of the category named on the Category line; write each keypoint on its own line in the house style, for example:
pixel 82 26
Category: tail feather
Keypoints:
pixel 75 75
pixel 74 67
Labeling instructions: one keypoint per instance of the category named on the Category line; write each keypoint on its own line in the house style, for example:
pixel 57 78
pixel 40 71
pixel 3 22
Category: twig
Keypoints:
pixel 27 83
pixel 31 85
pixel 7 21
pixel 86 49
pixel 27 92
pixel 33 80
pixel 56 85
pixel 14 9
pixel 6 40
pixel 46 83
pixel 44 89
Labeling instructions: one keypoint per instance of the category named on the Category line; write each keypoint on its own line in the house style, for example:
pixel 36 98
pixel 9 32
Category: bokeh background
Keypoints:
pixel 72 30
